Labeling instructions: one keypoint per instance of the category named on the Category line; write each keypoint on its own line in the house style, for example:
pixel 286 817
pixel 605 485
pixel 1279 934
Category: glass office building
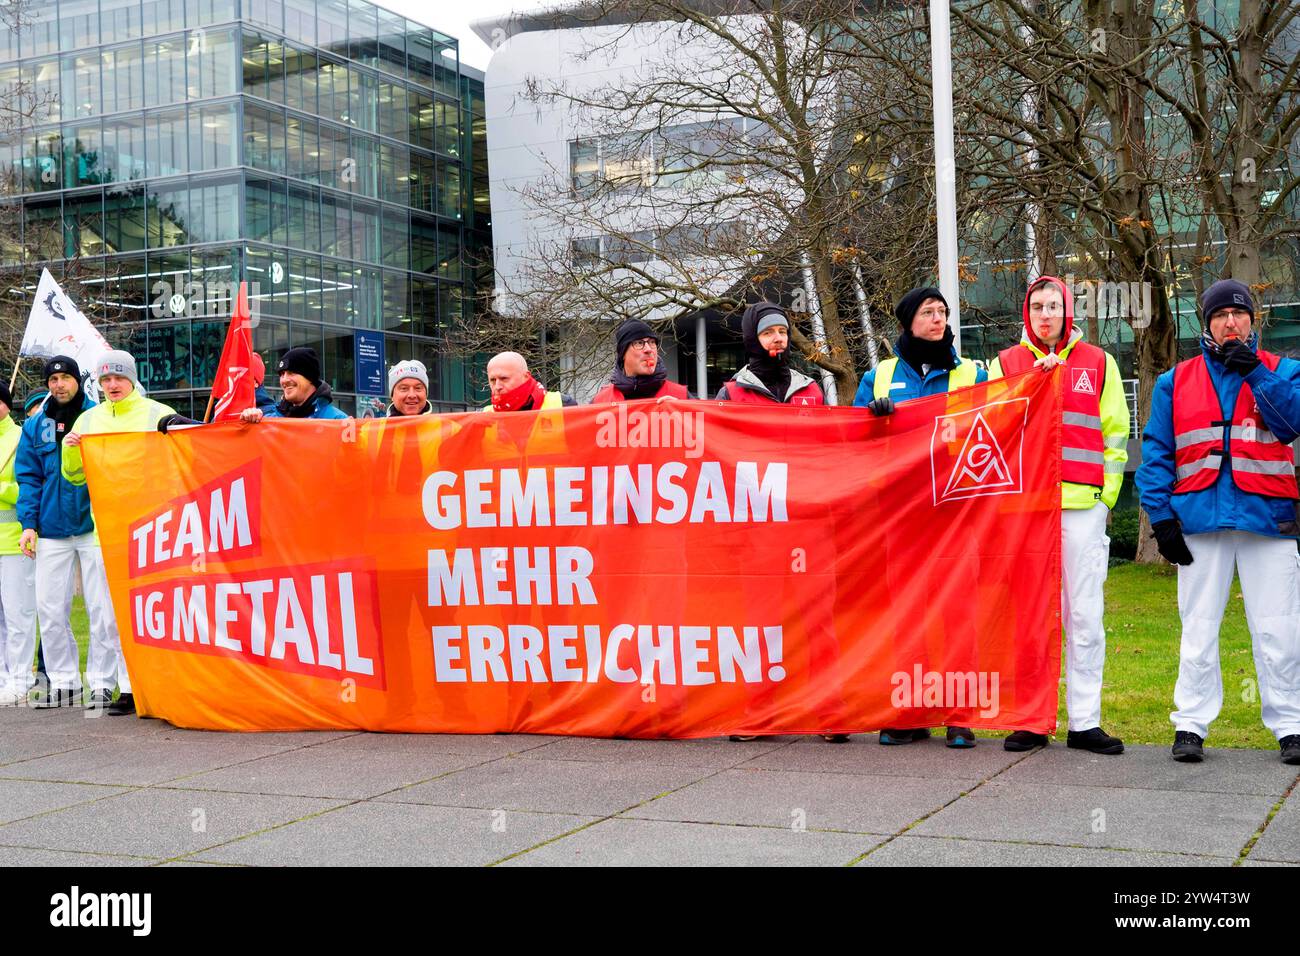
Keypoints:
pixel 323 150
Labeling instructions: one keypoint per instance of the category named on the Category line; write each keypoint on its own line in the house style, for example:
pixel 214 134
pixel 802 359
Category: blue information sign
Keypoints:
pixel 370 363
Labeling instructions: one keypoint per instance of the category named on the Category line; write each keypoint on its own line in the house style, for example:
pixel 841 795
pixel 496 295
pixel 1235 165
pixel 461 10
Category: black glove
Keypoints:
pixel 1170 541
pixel 881 406
pixel 1239 357
pixel 167 421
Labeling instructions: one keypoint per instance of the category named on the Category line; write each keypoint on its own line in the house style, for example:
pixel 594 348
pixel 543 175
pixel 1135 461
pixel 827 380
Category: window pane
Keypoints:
pixel 304 149
pixel 124 149
pixel 43 229
pixel 257 210
pixel 392 110
pixel 363 32
pixel 419 53
pixel 267 12
pixel 214 212
pixel 419 119
pixel 300 79
pixel 78 24
pixel 212 137
pixel 392 43
pixel 365 231
pixel 124 219
pixel 123 79
pixel 395 240
pixel 449 194
pixel 333 90
pixel 202 13
pixel 448 252
pixel 163 16
pixel 332 26
pixel 81 154
pixel 300 20
pixel 168 211
pixel 395 173
pixel 423 183
pixel 338 360
pixel 119 20
pixel 42 33
pixel 42 80
pixel 333 151
pixel 447 134
pixel 166 361
pixel 364 176
pixel 165 145
pixel 164 71
pixel 81 85
pixel 45 161
pixel 363 100
pixel 212 63
pixel 254 65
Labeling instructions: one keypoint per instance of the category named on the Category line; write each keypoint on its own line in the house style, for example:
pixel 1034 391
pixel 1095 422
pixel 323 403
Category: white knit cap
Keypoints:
pixel 407 369
pixel 117 362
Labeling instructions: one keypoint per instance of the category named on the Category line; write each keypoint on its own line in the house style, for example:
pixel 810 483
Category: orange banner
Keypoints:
pixel 675 569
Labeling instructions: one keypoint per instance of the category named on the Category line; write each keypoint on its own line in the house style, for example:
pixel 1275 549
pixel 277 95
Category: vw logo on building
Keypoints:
pixel 277 273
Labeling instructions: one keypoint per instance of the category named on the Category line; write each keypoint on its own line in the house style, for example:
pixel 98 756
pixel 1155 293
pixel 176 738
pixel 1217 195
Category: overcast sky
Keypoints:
pixel 454 16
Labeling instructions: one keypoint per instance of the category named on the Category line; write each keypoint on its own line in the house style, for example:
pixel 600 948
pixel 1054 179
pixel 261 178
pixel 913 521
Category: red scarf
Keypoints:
pixel 518 396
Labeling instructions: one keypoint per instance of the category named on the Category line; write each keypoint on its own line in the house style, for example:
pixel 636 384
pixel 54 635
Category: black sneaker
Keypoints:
pixel 738 739
pixel 1095 741
pixel 892 737
pixel 124 706
pixel 961 737
pixel 1022 740
pixel 1291 749
pixel 56 697
pixel 836 738
pixel 1188 747
pixel 100 698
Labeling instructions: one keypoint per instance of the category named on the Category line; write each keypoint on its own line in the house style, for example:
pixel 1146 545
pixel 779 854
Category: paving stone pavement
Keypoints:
pixel 109 791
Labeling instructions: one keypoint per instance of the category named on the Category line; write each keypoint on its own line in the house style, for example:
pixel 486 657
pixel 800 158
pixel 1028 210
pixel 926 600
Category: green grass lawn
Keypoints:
pixel 1142 631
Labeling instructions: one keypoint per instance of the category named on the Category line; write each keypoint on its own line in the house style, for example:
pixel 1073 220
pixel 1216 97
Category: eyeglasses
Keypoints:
pixel 1225 314
pixel 645 344
pixel 931 312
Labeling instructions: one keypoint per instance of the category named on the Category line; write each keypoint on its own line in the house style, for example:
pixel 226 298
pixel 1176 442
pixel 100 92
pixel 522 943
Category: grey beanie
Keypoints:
pixel 117 362
pixel 410 368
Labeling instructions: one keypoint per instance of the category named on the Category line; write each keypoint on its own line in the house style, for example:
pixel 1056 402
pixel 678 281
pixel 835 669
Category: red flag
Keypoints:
pixel 232 387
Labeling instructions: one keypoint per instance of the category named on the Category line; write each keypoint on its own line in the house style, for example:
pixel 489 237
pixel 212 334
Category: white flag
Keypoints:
pixel 57 327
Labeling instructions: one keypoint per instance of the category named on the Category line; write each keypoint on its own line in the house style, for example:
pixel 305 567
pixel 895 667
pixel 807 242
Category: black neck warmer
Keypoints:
pixel 918 352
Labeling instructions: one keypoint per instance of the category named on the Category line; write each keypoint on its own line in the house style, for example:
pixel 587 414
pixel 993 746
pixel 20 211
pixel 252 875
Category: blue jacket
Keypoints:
pixel 47 501
pixel 1223 506
pixel 262 399
pixel 322 402
pixel 907 383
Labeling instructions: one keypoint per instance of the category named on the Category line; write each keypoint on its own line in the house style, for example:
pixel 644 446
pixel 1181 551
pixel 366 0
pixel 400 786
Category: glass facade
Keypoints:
pixel 329 152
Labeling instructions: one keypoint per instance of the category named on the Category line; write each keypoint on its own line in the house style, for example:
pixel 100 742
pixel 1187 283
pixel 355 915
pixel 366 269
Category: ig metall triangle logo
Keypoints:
pixel 978 452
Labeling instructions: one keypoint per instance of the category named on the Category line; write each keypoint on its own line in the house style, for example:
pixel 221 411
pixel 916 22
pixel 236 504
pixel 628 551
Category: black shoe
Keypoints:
pixel 891 737
pixel 1291 749
pixel 836 738
pixel 59 698
pixel 124 706
pixel 1188 747
pixel 961 737
pixel 1023 740
pixel 738 739
pixel 1095 741
pixel 99 698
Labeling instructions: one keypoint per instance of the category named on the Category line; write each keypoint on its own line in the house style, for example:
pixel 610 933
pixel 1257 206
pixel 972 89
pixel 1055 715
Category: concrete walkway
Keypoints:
pixel 123 791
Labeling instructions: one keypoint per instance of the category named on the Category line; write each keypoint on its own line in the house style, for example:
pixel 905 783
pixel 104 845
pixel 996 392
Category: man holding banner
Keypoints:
pixel 1094 449
pixel 925 362
pixel 56 514
pixel 125 409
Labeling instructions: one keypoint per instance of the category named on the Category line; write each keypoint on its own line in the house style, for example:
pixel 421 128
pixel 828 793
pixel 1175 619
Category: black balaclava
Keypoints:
pixel 774 373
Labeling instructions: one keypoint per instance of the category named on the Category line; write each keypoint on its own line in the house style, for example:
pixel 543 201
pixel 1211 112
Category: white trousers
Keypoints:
pixel 1270 584
pixel 17 622
pixel 1085 557
pixel 54 577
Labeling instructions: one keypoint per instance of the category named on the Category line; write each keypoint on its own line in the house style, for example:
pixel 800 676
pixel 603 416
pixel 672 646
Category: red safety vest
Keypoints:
pixel 810 394
pixel 1261 464
pixel 1083 446
pixel 666 389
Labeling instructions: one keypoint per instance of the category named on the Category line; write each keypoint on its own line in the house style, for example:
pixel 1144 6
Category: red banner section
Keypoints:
pixel 675 569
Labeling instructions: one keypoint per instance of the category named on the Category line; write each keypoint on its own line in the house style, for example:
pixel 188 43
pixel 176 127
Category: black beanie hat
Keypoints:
pixel 64 364
pixel 1225 294
pixel 302 361
pixel 633 330
pixel 6 396
pixel 907 306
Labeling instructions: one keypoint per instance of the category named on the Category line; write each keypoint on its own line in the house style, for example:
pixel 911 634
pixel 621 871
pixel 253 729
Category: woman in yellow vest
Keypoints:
pixel 925 362
pixel 17 573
